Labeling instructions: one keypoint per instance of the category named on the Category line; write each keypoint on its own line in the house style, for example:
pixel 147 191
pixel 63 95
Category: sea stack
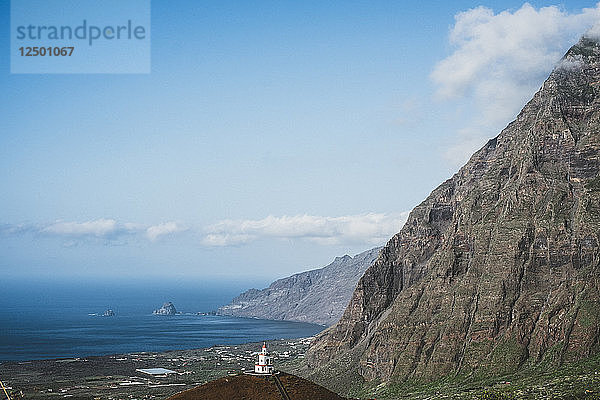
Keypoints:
pixel 167 309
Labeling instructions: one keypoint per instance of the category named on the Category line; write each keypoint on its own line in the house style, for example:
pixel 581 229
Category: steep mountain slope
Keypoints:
pixel 498 268
pixel 318 296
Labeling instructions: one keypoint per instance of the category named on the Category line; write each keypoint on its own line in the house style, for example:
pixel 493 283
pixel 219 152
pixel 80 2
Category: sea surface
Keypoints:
pixel 41 320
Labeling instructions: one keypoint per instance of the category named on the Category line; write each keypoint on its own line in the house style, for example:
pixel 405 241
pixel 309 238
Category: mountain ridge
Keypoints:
pixel 316 296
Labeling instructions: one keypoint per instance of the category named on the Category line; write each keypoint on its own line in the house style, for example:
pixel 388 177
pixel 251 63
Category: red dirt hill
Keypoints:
pixel 249 387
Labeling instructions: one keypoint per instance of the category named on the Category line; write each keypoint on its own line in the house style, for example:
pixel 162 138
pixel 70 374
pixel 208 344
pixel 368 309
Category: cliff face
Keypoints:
pixel 318 296
pixel 499 267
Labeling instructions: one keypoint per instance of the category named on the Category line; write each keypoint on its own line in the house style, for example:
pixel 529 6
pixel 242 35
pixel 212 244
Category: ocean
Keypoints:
pixel 43 320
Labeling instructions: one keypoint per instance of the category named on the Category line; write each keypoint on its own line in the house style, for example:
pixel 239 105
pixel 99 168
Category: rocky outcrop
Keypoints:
pixel 166 309
pixel 499 267
pixel 318 296
pixel 248 387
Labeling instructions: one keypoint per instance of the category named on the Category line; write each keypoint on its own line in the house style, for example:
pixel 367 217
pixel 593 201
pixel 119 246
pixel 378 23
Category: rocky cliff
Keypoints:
pixel 498 268
pixel 318 296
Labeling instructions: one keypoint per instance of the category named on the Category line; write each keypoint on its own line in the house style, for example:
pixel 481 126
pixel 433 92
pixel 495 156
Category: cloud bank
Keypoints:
pixel 105 229
pixel 97 228
pixel 352 229
pixel 371 229
pixel 498 62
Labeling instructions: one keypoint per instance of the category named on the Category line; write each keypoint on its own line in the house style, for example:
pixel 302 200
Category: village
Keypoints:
pixel 143 375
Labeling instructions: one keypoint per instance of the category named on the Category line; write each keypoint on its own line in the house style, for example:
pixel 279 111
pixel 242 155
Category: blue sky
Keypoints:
pixel 269 137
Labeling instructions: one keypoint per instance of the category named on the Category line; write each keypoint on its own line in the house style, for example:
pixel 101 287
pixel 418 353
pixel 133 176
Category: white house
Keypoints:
pixel 265 362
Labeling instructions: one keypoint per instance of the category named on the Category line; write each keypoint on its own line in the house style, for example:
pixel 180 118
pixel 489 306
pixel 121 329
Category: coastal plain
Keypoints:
pixel 116 376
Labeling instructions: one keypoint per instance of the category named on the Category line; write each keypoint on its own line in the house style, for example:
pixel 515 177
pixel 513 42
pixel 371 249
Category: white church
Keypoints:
pixel 264 365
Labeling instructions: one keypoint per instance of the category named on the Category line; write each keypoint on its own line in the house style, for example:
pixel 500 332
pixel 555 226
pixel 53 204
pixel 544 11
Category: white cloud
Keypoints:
pixel 365 228
pixel 225 239
pixel 108 229
pixel 97 228
pixel 166 228
pixel 594 32
pixel 499 61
